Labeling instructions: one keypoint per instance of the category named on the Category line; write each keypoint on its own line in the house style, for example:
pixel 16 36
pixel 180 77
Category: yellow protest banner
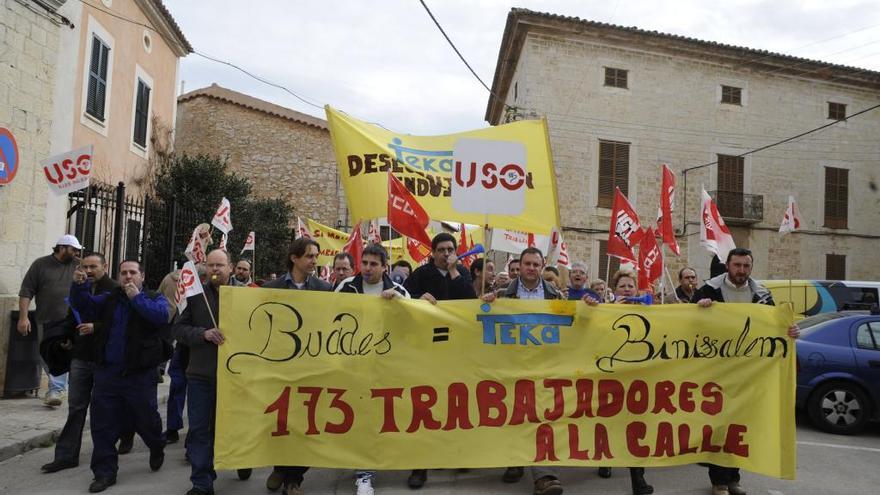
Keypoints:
pixel 337 380
pixel 505 172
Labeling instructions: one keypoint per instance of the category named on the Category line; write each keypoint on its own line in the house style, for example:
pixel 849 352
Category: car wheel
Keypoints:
pixel 839 407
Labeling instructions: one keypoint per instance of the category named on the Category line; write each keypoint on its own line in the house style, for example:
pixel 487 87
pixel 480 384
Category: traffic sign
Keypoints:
pixel 8 156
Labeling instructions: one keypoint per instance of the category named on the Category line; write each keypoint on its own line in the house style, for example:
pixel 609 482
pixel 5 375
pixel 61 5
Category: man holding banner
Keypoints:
pixel 735 286
pixel 302 258
pixel 197 328
pixel 371 280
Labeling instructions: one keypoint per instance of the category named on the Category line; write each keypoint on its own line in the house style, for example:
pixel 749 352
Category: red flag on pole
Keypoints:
pixel 667 205
pixel 625 231
pixel 650 260
pixel 405 214
pixel 355 247
pixel 714 234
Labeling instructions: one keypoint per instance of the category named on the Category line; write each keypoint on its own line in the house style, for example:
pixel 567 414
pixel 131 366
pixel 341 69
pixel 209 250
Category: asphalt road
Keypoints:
pixel 827 464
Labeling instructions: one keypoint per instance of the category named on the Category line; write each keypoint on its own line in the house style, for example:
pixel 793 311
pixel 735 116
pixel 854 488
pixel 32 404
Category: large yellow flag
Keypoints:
pixel 505 172
pixel 356 381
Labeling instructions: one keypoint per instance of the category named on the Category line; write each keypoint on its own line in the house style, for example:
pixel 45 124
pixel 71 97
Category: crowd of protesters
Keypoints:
pixel 104 339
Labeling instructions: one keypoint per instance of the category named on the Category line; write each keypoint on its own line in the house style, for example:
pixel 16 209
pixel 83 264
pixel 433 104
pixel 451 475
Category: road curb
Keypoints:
pixel 47 438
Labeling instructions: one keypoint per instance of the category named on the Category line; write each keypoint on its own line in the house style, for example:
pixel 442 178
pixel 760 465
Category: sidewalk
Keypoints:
pixel 27 424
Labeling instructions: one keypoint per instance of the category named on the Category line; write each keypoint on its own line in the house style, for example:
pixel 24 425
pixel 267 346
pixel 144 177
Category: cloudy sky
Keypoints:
pixel 384 61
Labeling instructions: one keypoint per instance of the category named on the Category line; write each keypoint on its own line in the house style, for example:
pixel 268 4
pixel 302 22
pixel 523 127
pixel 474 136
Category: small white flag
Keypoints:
pixel 222 242
pixel 187 285
pixel 223 218
pixel 373 236
pixel 250 243
pixel 557 254
pixel 714 234
pixel 196 250
pixel 791 221
pixel 301 230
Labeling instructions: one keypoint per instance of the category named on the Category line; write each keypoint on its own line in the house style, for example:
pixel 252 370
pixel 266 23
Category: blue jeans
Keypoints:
pixel 177 392
pixel 200 438
pixel 118 401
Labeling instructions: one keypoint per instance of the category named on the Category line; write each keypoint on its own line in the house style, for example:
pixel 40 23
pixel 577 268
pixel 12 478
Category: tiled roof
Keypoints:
pixel 174 26
pixel 519 21
pixel 234 97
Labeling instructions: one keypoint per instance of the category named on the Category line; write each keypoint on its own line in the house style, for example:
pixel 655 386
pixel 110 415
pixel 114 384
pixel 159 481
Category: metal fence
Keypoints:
pixel 122 227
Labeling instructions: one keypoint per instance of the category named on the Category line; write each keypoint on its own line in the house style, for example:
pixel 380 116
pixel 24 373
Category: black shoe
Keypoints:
pixel 171 436
pixel 604 472
pixel 125 445
pixel 244 474
pixel 56 465
pixel 101 484
pixel 417 478
pixel 157 457
pixel 512 474
pixel 639 485
pixel 197 491
pixel 274 481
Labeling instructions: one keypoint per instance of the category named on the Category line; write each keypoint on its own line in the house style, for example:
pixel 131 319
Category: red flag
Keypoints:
pixel 405 214
pixel 650 260
pixel 355 247
pixel 463 242
pixel 625 230
pixel 417 250
pixel 667 204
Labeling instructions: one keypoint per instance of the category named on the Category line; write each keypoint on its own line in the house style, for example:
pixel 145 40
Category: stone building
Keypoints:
pixel 622 101
pixel 284 153
pixel 74 74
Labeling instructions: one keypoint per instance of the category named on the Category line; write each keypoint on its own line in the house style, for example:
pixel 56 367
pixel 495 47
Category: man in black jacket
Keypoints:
pixel 302 258
pixel 197 328
pixel 128 336
pixel 82 364
pixel 441 279
pixel 734 286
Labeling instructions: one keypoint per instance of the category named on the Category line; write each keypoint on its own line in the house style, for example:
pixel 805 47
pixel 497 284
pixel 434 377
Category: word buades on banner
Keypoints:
pixel 331 381
pixel 503 172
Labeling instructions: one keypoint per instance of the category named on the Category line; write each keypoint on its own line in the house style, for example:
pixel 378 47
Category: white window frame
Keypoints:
pixel 95 29
pixel 140 75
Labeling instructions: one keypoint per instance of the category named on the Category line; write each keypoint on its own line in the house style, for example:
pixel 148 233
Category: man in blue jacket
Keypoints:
pixel 128 330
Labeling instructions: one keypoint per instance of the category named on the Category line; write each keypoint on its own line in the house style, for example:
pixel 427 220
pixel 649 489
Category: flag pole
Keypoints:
pixel 662 283
pixel 210 312
pixel 671 283
pixel 485 253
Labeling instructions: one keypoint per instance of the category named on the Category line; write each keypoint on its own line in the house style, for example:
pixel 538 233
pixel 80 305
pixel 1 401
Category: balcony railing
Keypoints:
pixel 739 208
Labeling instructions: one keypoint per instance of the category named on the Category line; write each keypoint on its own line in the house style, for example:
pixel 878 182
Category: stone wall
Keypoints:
pixel 28 48
pixel 671 113
pixel 280 157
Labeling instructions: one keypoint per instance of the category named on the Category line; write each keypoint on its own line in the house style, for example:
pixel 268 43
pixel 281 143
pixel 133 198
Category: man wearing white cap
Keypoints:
pixel 48 280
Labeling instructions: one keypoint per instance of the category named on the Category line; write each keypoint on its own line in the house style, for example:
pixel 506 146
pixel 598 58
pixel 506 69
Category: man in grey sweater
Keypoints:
pixel 48 280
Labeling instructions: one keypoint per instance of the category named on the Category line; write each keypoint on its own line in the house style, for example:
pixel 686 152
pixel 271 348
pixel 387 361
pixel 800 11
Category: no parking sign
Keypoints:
pixel 8 156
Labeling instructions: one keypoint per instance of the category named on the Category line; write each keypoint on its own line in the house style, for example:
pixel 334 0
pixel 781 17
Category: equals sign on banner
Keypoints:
pixel 441 334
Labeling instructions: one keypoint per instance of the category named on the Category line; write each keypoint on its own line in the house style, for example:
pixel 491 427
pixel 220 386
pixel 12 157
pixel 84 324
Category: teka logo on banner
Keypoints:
pixel 523 329
pixel 490 177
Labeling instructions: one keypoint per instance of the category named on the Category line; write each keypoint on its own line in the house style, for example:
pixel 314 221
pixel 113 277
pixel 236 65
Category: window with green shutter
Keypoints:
pixel 96 95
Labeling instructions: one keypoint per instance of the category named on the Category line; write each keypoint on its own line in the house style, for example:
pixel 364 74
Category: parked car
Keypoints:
pixel 838 379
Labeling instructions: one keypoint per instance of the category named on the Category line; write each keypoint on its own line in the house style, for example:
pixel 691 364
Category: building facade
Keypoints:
pixel 76 74
pixel 620 102
pixel 284 153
